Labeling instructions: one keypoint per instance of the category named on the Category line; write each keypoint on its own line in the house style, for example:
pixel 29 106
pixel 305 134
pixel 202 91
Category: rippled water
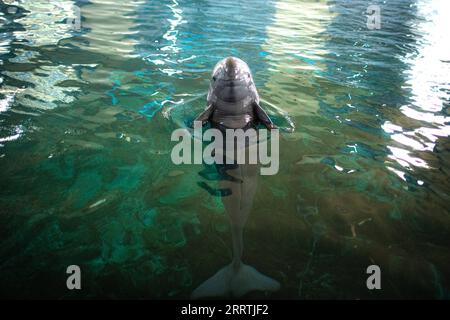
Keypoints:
pixel 85 121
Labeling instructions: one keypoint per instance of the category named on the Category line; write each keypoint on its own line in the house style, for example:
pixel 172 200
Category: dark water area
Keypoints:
pixel 86 116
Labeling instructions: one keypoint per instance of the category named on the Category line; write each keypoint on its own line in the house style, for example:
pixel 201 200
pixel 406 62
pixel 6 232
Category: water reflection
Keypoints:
pixel 427 80
pixel 170 50
pixel 110 27
pixel 294 53
pixel 30 83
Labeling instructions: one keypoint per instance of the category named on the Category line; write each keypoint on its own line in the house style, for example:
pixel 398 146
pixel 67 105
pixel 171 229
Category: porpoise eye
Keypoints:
pixel 214 78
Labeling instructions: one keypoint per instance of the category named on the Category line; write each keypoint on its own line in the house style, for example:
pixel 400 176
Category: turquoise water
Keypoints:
pixel 86 176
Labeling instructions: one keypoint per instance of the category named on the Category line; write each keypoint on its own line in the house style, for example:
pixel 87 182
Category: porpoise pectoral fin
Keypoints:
pixel 214 192
pixel 262 116
pixel 218 174
pixel 206 114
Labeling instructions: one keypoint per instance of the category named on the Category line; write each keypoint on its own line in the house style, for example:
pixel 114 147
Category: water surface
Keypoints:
pixel 85 122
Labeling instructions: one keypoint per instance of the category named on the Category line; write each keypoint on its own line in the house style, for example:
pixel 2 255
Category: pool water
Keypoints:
pixel 86 113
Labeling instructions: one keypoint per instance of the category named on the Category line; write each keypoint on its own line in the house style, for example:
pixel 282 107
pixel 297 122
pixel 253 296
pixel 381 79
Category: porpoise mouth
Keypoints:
pixel 232 82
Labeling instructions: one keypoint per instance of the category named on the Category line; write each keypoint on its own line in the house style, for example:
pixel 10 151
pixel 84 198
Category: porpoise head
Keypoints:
pixel 232 81
pixel 233 101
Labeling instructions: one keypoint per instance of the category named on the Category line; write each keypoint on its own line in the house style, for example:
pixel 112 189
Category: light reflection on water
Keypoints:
pixel 427 80
pixel 86 117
